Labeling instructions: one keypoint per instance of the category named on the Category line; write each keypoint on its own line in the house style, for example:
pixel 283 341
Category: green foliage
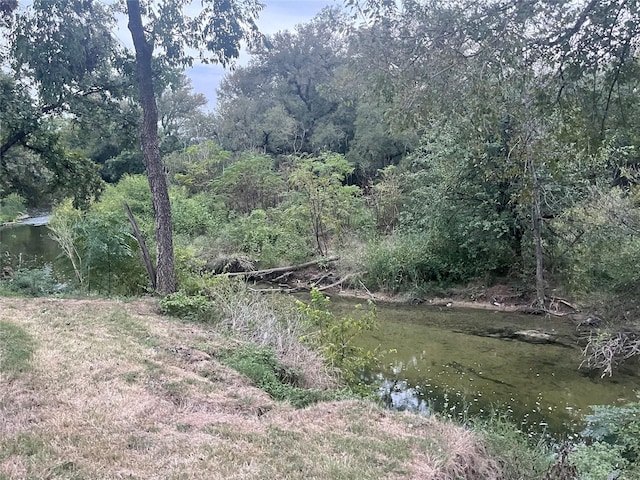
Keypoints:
pixel 99 247
pixel 328 206
pixel 616 425
pixel 291 97
pixel 403 262
pixel 134 190
pixel 191 216
pixel 337 338
pixel 462 208
pixel 192 307
pixel 63 229
pixel 11 207
pixel 513 449
pixel 386 198
pixel 34 282
pixel 612 437
pixel 272 237
pixel 599 243
pixel 250 183
pixel 198 166
pixel 600 460
pixel 263 368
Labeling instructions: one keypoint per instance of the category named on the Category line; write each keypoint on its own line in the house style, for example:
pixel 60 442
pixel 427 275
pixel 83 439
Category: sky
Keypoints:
pixel 277 15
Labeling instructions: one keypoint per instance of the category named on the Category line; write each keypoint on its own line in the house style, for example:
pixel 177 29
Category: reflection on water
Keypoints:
pixel 436 360
pixel 27 245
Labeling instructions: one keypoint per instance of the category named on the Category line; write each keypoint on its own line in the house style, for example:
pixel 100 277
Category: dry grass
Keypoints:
pixel 115 391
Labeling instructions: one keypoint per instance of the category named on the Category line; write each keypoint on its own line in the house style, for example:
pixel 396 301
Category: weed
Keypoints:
pixel 191 307
pixel 612 448
pixel 513 449
pixel 183 427
pixel 139 443
pixel 262 367
pixel 35 282
pixel 335 337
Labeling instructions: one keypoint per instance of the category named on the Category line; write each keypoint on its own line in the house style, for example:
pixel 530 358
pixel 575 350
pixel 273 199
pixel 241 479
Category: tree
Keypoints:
pixel 328 205
pixel 180 110
pixel 216 32
pixel 6 10
pixel 530 89
pixel 289 98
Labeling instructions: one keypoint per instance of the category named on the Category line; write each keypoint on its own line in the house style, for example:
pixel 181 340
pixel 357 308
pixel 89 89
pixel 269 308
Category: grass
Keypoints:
pixel 16 348
pixel 104 389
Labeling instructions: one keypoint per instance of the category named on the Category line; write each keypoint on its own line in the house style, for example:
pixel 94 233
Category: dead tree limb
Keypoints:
pixel 339 282
pixel 144 251
pixel 271 271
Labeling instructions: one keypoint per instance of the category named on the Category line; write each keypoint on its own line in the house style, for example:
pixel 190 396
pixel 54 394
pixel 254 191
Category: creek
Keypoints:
pixel 441 359
pixel 445 359
pixel 27 243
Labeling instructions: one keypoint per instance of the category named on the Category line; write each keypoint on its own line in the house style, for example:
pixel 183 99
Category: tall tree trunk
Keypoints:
pixel 165 271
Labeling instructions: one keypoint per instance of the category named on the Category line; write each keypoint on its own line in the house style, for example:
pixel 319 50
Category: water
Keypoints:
pixel 27 244
pixel 436 360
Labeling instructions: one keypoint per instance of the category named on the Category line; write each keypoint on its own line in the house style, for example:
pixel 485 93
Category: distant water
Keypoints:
pixel 27 244
pixel 35 221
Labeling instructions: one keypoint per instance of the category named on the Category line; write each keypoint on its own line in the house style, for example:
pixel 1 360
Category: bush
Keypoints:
pixel 191 307
pixel 336 337
pixel 36 282
pixel 612 443
pixel 402 262
pixel 272 237
pixel 11 207
pixel 598 461
pixel 598 243
pixel 99 248
pixel 513 449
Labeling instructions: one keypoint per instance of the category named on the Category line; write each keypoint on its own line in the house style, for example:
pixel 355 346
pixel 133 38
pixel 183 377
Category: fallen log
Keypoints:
pixel 270 271
pixel 339 282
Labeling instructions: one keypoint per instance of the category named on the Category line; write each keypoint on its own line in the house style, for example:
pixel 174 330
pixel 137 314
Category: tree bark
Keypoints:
pixel 165 271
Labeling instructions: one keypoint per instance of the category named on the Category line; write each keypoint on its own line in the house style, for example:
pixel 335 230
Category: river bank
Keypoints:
pixel 103 389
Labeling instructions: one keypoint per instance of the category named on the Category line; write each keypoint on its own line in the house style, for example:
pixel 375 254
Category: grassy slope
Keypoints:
pixel 105 389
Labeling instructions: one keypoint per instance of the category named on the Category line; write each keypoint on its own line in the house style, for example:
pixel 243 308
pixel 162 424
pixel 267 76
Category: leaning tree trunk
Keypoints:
pixel 165 272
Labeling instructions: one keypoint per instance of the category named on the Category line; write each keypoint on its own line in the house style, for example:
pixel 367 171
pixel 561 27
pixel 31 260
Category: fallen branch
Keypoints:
pixel 144 251
pixel 271 271
pixel 556 300
pixel 275 290
pixel 607 351
pixel 317 281
pixel 339 282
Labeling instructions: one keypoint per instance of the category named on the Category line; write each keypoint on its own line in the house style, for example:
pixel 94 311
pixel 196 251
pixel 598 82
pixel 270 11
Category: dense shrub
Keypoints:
pixel 35 282
pixel 611 447
pixel 336 337
pixel 11 207
pixel 192 307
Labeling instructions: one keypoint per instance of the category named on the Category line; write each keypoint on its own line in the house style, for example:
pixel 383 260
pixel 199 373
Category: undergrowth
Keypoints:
pixel 260 364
